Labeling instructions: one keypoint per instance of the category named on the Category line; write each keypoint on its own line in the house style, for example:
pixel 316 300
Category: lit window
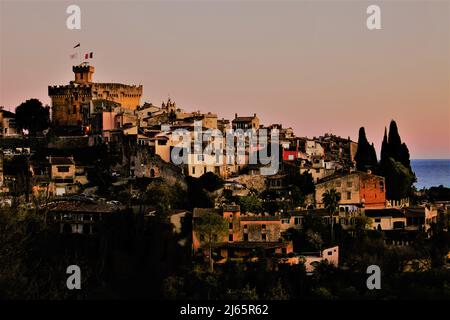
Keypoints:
pixel 63 169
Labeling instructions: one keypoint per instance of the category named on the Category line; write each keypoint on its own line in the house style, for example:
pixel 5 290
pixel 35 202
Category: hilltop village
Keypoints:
pixel 97 164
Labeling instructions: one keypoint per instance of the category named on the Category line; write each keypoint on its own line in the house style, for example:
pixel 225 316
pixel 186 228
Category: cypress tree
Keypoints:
pixel 394 141
pixel 395 165
pixel 365 157
pixel 384 147
pixel 403 156
pixel 373 157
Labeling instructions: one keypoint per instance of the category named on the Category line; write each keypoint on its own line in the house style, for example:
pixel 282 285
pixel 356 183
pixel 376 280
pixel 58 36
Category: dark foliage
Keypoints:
pixel 33 116
pixel 366 158
pixel 395 165
pixel 211 181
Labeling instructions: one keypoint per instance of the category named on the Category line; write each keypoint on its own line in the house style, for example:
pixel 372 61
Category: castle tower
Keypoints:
pixel 83 73
pixel 72 103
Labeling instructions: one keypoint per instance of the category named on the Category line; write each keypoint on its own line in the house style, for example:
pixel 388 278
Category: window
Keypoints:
pixel 245 226
pixel 193 170
pixel 296 220
pixel 230 225
pixel 318 170
pixel 330 253
pixel 349 184
pixel 63 168
pixel 74 109
pixel 378 220
pixel 230 237
pixel 200 157
pixel 245 236
pixel 349 195
pixel 264 237
pixel 263 227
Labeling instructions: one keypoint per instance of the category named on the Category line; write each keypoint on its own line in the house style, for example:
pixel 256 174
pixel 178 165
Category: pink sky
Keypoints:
pixel 312 66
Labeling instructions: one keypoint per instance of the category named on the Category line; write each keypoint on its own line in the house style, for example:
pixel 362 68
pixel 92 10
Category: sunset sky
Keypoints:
pixel 312 66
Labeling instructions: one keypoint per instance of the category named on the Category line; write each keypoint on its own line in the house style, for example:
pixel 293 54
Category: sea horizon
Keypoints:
pixel 415 159
pixel 431 172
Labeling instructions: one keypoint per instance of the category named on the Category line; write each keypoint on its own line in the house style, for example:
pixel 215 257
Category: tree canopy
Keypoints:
pixel 31 115
pixel 211 226
pixel 395 165
pixel 211 181
pixel 366 157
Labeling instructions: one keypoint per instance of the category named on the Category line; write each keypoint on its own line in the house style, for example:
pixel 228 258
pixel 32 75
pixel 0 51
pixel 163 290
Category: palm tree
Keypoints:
pixel 331 200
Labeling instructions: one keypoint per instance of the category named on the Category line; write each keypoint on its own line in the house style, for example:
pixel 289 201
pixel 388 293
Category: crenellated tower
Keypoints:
pixel 83 73
pixel 72 103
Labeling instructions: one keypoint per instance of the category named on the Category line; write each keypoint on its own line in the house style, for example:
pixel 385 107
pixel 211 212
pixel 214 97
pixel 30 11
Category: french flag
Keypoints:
pixel 89 55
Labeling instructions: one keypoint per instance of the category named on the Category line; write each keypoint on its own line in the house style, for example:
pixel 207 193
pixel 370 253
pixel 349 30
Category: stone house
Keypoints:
pixel 245 123
pixel 62 176
pixel 358 190
pixel 386 219
pixel 246 234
